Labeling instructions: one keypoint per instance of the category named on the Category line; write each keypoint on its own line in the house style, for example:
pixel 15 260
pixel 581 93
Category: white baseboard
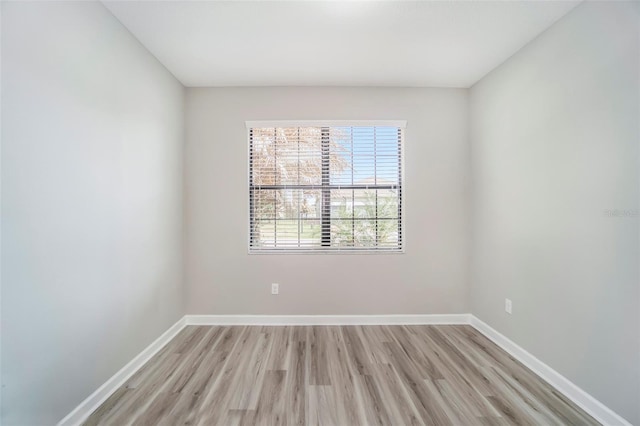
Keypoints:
pixel 89 405
pixel 595 408
pixel 585 401
pixel 326 319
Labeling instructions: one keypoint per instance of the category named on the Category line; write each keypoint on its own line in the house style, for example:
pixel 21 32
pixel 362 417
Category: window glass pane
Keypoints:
pixel 286 156
pixel 364 156
pixel 387 155
pixel 264 204
pixel 287 217
pixel 342 232
pixel 310 204
pixel 354 214
pixel 263 233
pixel 387 232
pixel 387 203
pixel 365 204
pixel 262 156
pixel 341 203
pixel 310 156
pixel 341 155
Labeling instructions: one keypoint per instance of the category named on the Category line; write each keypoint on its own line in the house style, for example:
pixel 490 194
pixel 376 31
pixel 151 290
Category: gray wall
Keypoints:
pixel 554 145
pixel 431 277
pixel 92 143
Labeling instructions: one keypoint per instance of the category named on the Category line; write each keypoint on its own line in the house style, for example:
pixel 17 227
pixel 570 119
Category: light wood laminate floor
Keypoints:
pixel 349 375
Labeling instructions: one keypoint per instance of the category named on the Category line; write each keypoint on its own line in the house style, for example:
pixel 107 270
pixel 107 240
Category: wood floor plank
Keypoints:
pixel 271 407
pixel 356 349
pixel 323 406
pixel 342 372
pixel 375 411
pixel 455 404
pixel 247 383
pixel 420 351
pixel 373 338
pixel 351 375
pixel 431 412
pixel 397 397
pixel 159 408
pixel 282 343
pixel 112 403
pixel 137 402
pixel 296 384
pixel 318 338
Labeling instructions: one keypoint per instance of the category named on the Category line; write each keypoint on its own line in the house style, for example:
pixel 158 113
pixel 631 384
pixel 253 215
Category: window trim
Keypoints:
pixel 402 124
pixel 325 123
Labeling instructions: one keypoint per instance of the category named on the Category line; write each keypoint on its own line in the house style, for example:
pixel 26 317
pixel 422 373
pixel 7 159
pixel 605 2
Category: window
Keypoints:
pixel 317 186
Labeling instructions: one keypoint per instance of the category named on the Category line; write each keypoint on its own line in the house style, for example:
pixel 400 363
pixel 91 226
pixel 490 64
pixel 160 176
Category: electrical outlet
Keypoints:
pixel 275 288
pixel 508 305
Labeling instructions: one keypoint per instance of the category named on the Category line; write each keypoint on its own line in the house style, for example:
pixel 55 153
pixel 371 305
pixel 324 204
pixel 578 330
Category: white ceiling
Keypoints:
pixel 335 43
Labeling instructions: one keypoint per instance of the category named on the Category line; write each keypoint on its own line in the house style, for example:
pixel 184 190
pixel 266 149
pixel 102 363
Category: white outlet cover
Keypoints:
pixel 508 306
pixel 275 288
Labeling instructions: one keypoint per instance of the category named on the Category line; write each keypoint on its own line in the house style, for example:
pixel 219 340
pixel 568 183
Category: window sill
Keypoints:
pixel 327 252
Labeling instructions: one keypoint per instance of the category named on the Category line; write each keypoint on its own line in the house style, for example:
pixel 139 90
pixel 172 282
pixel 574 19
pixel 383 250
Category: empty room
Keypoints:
pixel 320 212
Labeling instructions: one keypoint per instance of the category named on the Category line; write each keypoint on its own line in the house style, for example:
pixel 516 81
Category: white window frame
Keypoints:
pixel 402 124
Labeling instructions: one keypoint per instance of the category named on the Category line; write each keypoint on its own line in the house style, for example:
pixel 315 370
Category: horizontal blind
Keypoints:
pixel 329 188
